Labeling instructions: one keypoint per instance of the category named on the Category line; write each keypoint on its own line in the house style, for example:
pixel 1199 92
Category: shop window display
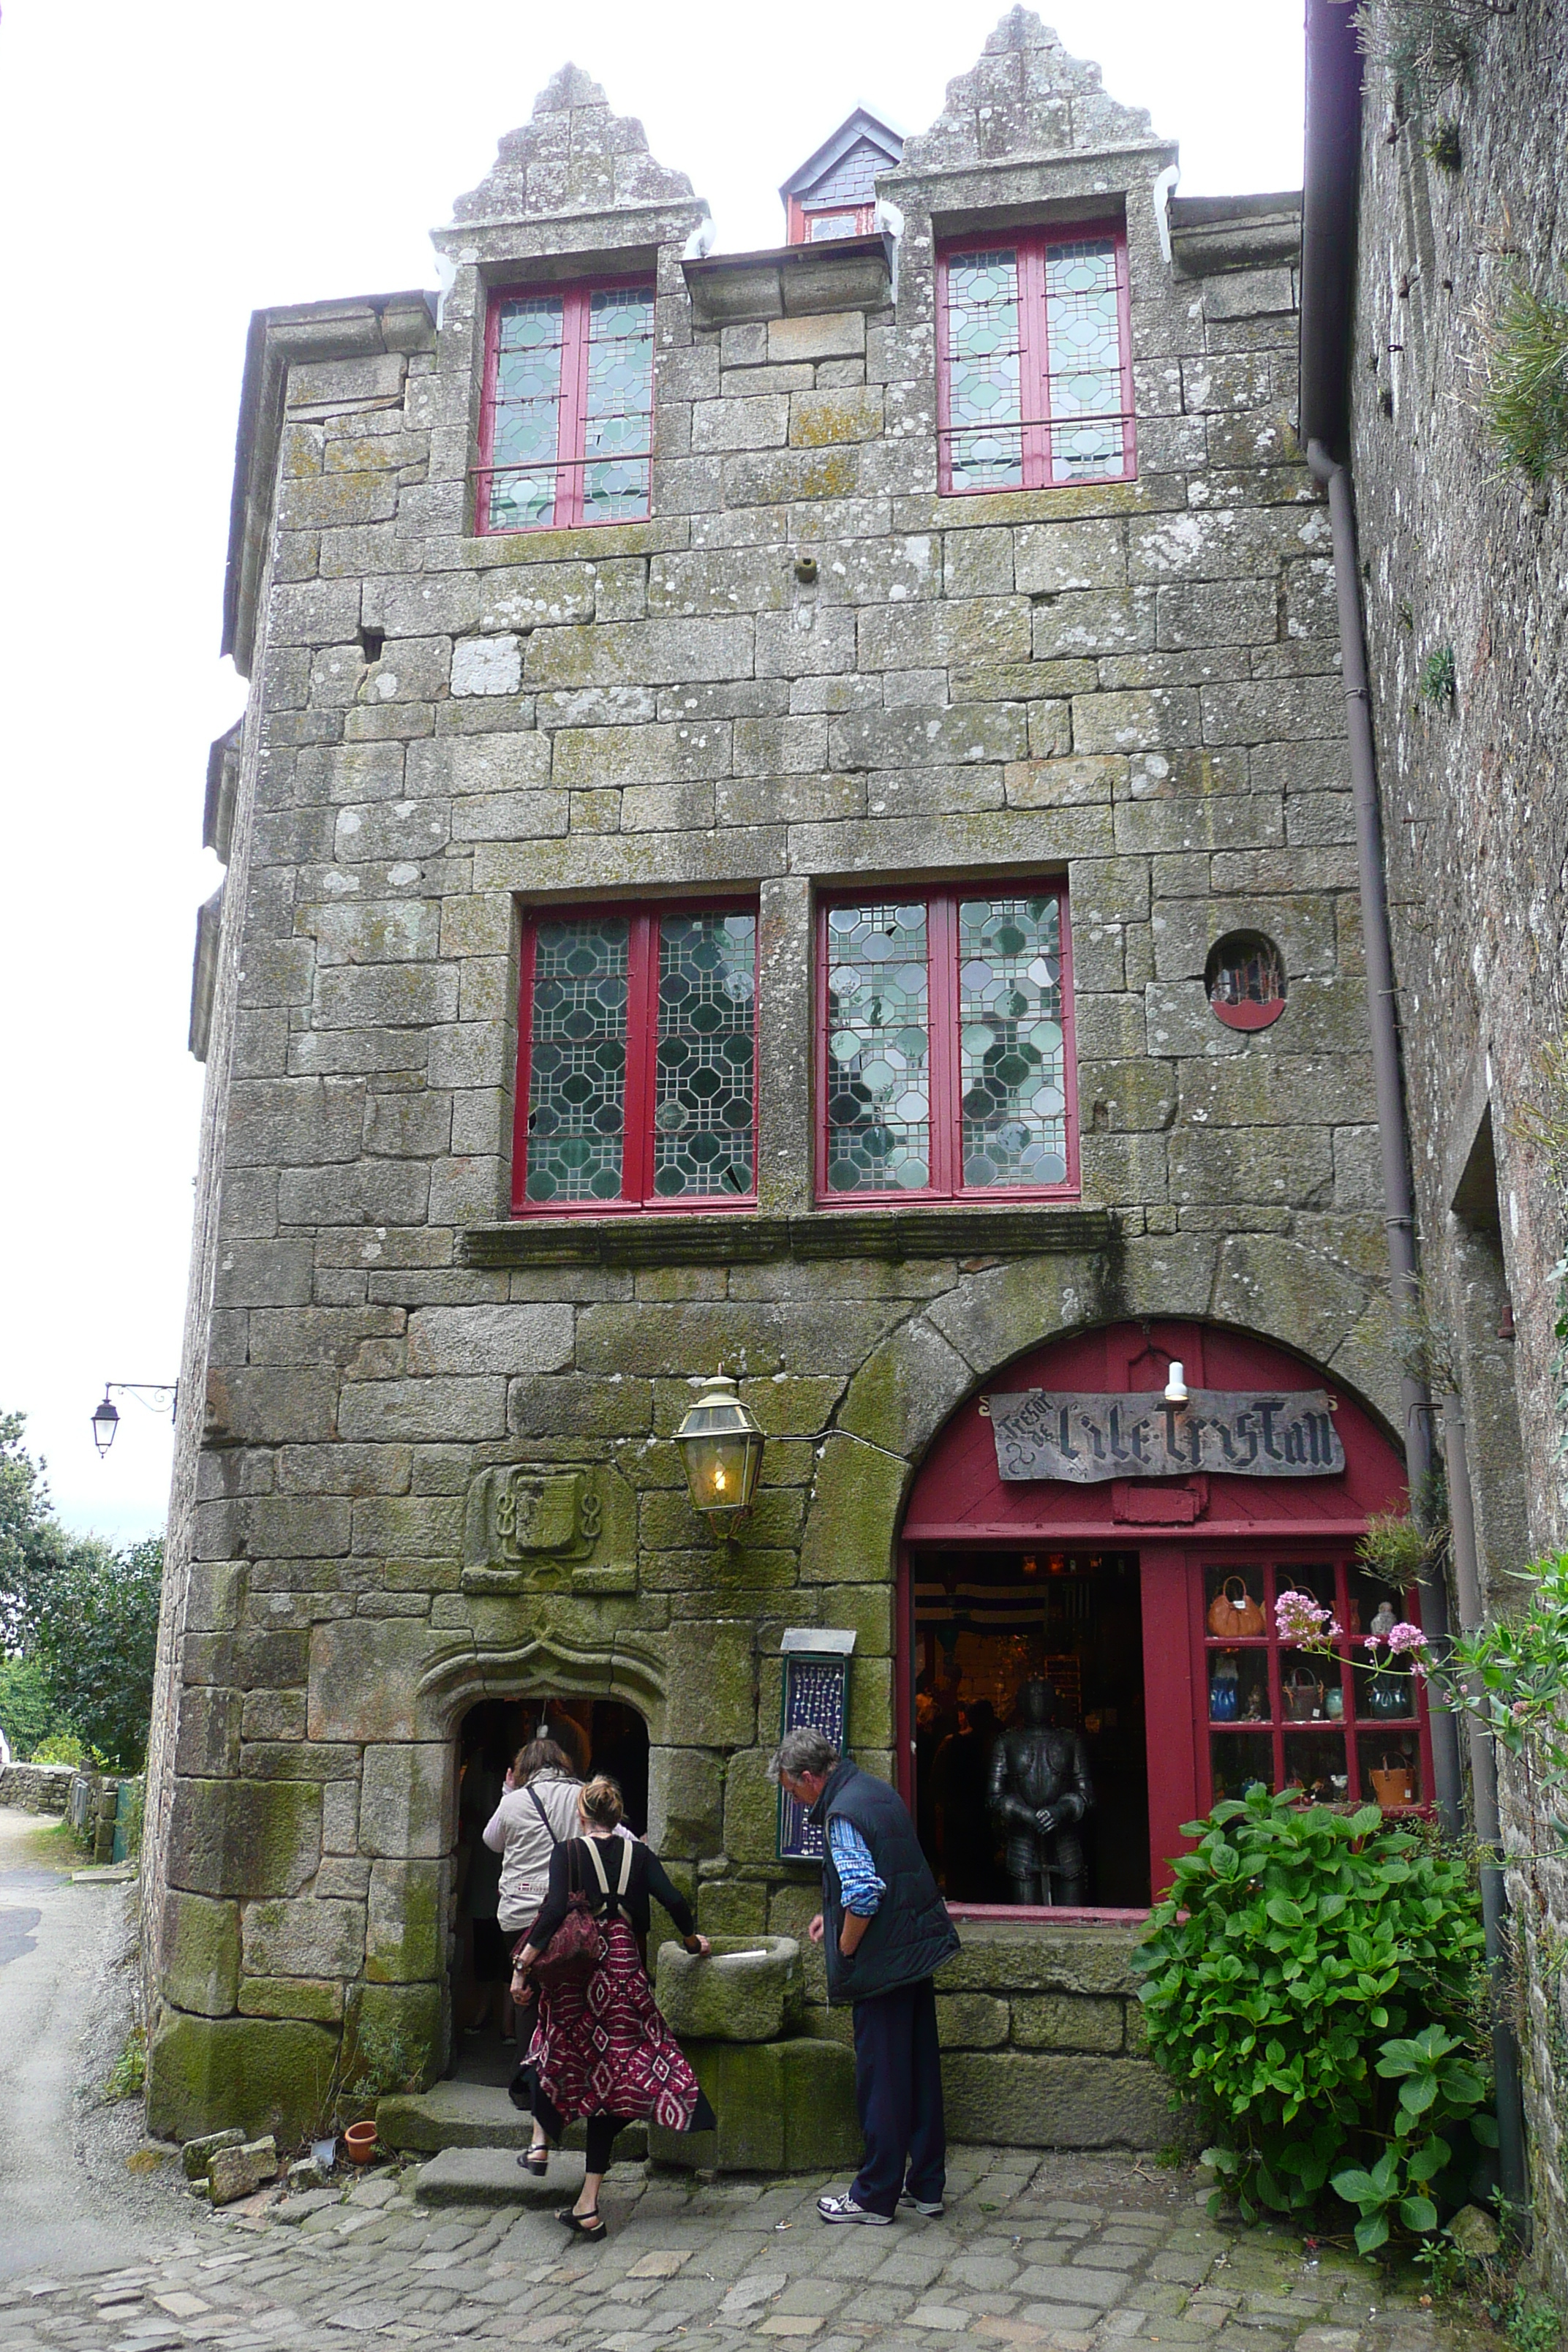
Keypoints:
pixel 1030 1764
pixel 1342 1727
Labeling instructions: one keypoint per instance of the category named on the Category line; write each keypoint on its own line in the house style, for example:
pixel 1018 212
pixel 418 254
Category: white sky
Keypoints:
pixel 165 168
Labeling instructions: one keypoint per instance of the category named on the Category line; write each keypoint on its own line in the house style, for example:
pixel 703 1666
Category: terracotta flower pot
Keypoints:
pixel 360 2141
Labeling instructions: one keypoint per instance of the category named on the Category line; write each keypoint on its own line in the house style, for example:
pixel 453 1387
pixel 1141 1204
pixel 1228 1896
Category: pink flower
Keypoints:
pixel 1299 1618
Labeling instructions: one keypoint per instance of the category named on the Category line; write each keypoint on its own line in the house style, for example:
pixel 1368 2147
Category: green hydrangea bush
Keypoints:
pixel 1314 1983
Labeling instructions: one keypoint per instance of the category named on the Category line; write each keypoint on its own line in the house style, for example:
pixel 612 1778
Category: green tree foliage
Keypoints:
pixel 1312 1983
pixel 77 1614
pixel 27 1712
pixel 91 1621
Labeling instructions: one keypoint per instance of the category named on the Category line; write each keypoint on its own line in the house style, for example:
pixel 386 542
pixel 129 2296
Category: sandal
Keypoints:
pixel 536 2160
pixel 582 2225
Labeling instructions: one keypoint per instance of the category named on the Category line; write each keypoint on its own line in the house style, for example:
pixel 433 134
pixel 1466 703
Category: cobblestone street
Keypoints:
pixel 1064 2254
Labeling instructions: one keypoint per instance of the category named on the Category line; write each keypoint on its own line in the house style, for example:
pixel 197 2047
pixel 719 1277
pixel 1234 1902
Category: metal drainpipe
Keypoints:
pixel 1393 1138
pixel 1512 2167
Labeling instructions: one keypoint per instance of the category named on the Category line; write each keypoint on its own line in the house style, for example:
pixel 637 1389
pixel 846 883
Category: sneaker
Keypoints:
pixel 844 2209
pixel 932 2207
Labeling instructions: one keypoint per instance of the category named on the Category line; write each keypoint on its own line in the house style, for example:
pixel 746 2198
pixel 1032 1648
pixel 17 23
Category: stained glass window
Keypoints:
pixel 703 1102
pixel 879 1050
pixel 945 1044
pixel 1010 1041
pixel 577 1071
pixel 637 1051
pixel 1034 376
pixel 568 412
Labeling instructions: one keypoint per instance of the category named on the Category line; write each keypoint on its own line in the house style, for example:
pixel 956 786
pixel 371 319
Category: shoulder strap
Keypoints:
pixel 592 1845
pixel 626 1851
pixel 533 1796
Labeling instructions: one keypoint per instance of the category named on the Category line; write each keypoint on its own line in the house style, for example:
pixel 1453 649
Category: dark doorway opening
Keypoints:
pixel 987 1621
pixel 599 1735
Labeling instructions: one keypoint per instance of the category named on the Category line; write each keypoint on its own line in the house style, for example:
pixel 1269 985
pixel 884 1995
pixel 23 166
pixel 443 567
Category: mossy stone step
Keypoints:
pixel 477 2115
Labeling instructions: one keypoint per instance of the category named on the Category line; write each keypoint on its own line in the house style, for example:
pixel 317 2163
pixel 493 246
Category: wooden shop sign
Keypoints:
pixel 1246 1434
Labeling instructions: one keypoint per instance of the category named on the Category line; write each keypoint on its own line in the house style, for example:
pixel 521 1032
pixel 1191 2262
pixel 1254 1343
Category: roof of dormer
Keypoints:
pixel 862 127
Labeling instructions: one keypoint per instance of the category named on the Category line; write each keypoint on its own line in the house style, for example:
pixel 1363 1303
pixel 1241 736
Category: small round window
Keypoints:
pixel 1245 977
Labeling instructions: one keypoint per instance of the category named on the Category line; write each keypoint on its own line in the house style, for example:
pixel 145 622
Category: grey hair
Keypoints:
pixel 803 1750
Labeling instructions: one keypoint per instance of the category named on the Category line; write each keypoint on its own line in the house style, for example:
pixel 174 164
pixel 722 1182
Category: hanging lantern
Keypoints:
pixel 105 1421
pixel 720 1442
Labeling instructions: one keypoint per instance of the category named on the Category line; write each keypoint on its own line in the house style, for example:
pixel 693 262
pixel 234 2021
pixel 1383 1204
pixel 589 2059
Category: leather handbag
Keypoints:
pixel 1300 1696
pixel 578 1947
pixel 1232 1614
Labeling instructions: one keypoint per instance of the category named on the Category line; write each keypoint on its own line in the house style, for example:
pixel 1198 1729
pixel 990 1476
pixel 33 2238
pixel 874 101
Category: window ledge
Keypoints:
pixel 966 1231
pixel 791 281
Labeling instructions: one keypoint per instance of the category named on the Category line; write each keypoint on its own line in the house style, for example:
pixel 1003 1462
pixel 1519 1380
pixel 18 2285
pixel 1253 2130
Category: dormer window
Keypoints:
pixel 566 431
pixel 834 192
pixel 1033 360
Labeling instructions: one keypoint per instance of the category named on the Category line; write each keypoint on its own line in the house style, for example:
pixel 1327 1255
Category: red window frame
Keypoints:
pixel 1274 1567
pixel 1034 335
pixel 801 215
pixel 941 901
pixel 636 1195
pixel 571 416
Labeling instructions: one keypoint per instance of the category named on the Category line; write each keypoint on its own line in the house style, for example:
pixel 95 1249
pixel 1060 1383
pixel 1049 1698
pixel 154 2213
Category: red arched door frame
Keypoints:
pixel 1183 1530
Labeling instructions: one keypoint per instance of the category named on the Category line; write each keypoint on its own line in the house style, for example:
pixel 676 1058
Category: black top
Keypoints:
pixel 910 1932
pixel 572 1867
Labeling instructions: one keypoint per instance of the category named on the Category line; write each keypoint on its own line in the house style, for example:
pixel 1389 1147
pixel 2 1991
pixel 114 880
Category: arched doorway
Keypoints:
pixel 598 1734
pixel 1112 1582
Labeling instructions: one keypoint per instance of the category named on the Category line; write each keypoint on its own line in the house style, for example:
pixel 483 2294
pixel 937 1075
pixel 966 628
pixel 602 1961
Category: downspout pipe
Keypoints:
pixel 1512 2167
pixel 1393 1135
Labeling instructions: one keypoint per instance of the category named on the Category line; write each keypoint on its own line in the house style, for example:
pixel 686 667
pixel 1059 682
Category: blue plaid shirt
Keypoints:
pixel 861 1888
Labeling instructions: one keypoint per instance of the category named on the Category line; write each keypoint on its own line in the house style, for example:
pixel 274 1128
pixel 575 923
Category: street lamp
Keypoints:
pixel 720 1442
pixel 150 1393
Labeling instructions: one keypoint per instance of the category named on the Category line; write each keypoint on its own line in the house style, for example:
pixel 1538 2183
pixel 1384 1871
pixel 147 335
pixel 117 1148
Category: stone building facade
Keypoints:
pixel 1464 558
pixel 810 671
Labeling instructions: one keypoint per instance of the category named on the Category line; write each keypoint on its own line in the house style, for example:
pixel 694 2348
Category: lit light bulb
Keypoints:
pixel 719 1482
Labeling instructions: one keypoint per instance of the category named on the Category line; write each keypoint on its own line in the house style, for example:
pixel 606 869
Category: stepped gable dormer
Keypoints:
pixel 834 192
pixel 1025 97
pixel 575 155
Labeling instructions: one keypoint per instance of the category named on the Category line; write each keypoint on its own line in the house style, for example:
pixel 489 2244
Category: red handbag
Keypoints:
pixel 578 1945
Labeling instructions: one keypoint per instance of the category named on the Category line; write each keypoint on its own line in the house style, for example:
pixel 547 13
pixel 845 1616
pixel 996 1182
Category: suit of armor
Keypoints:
pixel 1040 1790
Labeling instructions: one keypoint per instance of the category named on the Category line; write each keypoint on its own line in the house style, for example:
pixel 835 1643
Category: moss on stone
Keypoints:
pixel 305 1997
pixel 971 2021
pixel 783 2107
pixel 1004 2097
pixel 387 2028
pixel 199 1966
pixel 854 1514
pixel 732 1906
pixel 1054 2020
pixel 404 1929
pixel 206 2074
pixel 750 1808
pixel 244 1840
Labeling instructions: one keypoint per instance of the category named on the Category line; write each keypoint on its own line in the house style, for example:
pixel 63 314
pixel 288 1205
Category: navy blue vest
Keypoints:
pixel 911 1934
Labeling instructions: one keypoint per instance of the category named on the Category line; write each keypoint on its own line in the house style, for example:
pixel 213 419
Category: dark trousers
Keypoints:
pixel 898 2089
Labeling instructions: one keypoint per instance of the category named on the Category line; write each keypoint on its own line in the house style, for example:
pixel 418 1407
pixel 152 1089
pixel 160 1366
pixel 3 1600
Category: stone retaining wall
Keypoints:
pixel 37 1788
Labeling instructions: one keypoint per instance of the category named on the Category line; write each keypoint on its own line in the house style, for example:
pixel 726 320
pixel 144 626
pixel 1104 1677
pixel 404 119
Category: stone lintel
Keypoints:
pixel 830 1234
pixel 1215 233
pixel 791 281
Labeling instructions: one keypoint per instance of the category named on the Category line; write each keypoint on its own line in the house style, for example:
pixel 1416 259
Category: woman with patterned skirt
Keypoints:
pixel 601 2050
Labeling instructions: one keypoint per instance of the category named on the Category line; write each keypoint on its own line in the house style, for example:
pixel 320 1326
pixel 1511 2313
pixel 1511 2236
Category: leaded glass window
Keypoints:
pixel 704 1105
pixel 1035 373
pixel 1011 1052
pixel 567 426
pixel 577 1071
pixel 879 1050
pixel 637 1059
pixel 946 1045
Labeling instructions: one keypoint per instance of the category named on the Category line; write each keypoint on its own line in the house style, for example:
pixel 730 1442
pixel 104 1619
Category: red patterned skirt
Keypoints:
pixel 600 2048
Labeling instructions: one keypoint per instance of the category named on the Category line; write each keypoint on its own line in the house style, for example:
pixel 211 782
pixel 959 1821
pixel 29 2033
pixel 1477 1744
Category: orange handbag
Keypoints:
pixel 1234 1613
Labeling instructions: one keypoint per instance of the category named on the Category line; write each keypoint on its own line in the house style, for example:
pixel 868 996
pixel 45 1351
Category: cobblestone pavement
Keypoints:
pixel 1066 2254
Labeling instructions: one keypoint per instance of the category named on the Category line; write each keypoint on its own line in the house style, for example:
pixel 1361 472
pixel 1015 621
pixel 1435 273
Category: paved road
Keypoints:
pixel 51 1949
pixel 1060 2255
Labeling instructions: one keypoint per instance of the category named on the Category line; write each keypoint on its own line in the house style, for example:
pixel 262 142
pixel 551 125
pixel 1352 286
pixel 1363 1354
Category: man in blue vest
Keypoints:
pixel 884 1928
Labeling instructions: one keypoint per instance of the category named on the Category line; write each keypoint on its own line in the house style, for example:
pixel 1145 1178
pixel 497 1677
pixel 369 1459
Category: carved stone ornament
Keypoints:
pixel 535 1530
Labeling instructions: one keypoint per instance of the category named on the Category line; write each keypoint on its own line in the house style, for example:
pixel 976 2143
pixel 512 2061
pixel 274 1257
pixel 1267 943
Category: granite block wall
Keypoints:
pixel 805 667
pixel 1464 555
